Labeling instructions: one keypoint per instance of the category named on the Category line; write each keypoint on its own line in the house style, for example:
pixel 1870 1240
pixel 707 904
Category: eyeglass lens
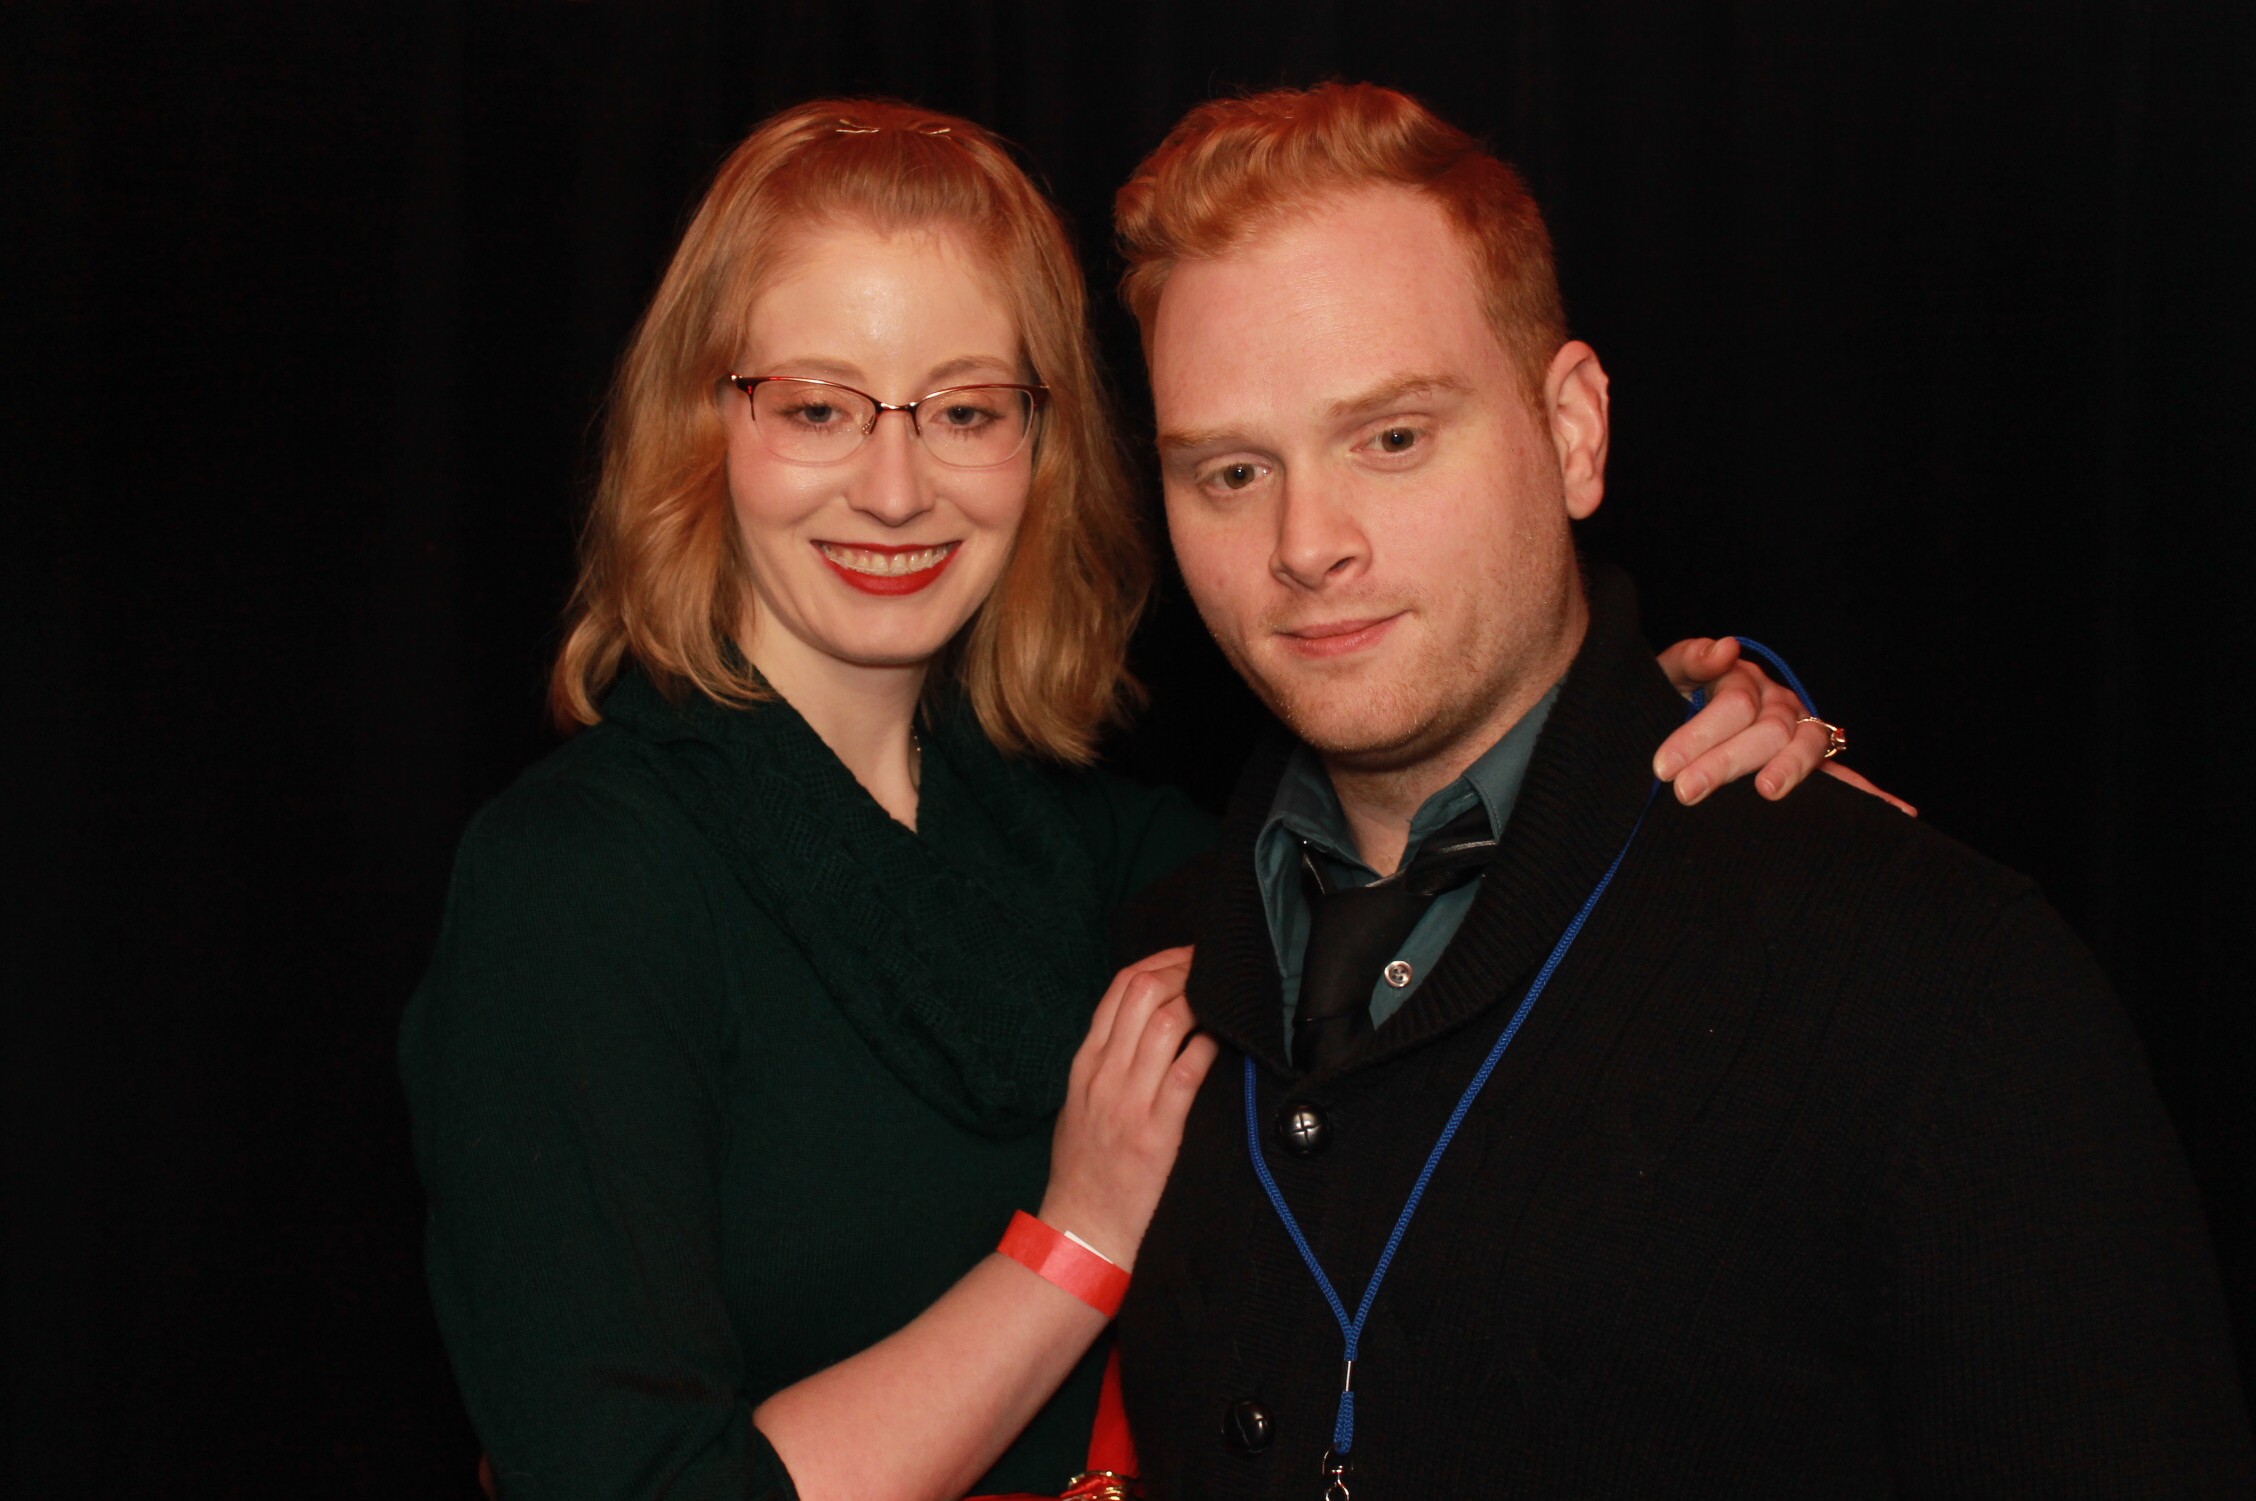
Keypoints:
pixel 969 427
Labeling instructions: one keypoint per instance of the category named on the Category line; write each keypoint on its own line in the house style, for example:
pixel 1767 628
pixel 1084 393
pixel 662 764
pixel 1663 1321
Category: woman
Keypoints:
pixel 761 1004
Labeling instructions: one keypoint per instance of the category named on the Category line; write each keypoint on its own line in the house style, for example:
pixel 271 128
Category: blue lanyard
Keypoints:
pixel 1809 705
pixel 1343 1426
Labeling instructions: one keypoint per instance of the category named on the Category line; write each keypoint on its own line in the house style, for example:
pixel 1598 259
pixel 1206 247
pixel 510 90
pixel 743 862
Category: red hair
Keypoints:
pixel 1234 166
pixel 662 573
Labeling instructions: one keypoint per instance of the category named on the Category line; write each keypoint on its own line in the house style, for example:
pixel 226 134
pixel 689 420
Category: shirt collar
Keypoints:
pixel 1307 808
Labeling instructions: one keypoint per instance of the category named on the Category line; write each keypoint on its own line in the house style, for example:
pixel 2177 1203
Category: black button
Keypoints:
pixel 1247 1427
pixel 1302 1129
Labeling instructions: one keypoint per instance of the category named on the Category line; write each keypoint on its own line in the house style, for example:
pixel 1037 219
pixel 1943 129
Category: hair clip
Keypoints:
pixel 932 130
pixel 848 127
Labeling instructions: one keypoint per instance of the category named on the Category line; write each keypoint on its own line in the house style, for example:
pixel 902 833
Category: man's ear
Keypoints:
pixel 1574 395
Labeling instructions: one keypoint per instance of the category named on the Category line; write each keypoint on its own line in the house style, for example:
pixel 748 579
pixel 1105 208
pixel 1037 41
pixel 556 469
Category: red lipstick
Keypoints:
pixel 871 582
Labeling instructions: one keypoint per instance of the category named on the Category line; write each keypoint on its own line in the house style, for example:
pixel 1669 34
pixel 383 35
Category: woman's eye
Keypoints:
pixel 813 413
pixel 1398 439
pixel 963 414
pixel 1237 476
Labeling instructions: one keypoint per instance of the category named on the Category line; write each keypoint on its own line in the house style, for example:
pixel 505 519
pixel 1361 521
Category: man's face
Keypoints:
pixel 1371 517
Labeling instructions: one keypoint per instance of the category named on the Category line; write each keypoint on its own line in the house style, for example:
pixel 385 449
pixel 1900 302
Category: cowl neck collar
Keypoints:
pixel 967 954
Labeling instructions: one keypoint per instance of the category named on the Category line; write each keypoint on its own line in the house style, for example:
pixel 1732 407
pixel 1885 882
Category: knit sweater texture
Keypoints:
pixel 1826 1166
pixel 719 1075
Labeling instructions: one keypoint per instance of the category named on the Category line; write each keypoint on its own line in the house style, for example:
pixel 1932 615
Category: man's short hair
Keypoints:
pixel 1232 167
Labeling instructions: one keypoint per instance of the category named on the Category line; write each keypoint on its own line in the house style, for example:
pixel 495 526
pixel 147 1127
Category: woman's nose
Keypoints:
pixel 894 483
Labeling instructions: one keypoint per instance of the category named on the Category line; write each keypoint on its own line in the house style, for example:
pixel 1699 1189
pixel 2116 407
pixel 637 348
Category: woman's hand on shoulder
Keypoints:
pixel 1130 1088
pixel 1749 725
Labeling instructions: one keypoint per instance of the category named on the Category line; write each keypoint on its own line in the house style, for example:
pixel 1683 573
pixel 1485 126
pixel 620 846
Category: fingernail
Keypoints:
pixel 1767 786
pixel 1690 789
pixel 1667 764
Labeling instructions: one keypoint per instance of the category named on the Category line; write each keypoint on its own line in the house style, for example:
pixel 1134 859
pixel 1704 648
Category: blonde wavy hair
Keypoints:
pixel 663 580
pixel 1232 167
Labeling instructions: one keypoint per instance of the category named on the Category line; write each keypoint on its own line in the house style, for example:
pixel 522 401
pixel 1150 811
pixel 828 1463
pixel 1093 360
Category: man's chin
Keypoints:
pixel 1376 734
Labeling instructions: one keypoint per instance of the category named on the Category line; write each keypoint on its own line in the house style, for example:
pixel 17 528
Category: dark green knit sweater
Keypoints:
pixel 719 1076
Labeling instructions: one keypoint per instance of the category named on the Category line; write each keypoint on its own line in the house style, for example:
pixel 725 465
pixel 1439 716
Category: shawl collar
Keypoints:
pixel 971 978
pixel 1584 791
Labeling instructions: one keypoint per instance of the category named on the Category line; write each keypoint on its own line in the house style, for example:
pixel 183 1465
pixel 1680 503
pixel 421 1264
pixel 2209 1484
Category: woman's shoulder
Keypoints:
pixel 576 890
pixel 591 822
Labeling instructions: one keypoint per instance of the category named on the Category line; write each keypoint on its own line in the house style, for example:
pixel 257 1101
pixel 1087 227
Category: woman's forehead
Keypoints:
pixel 849 292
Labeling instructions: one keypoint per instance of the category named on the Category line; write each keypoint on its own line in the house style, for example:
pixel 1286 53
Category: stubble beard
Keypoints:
pixel 1392 727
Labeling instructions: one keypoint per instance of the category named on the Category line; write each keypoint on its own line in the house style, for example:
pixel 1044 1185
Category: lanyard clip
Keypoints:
pixel 1337 1467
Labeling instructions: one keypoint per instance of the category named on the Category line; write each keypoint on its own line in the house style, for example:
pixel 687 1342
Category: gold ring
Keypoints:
pixel 1836 738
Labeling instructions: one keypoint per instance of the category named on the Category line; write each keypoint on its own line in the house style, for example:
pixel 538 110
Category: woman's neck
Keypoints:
pixel 866 715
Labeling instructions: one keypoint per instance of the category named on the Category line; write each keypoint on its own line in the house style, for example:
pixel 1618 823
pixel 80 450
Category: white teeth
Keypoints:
pixel 886 565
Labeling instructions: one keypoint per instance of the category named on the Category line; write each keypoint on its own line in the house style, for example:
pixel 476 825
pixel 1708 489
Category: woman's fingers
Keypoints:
pixel 1165 1031
pixel 1734 698
pixel 1749 724
pixel 1101 1022
pixel 1842 773
pixel 1804 753
pixel 1152 1015
pixel 1736 705
pixel 1698 661
pixel 1187 1073
pixel 1123 1118
pixel 1747 727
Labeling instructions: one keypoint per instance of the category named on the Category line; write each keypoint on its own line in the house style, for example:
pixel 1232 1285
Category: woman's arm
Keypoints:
pixel 1750 725
pixel 925 1411
pixel 564 1058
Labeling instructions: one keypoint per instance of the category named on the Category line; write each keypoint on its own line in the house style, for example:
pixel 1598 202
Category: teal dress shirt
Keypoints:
pixel 1306 811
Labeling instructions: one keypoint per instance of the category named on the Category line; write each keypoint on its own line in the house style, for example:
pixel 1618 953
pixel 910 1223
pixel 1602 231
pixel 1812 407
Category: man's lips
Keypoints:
pixel 1337 638
pixel 878 569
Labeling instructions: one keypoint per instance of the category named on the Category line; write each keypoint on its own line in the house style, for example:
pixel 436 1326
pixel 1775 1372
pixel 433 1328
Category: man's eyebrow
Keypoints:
pixel 1395 390
pixel 1178 440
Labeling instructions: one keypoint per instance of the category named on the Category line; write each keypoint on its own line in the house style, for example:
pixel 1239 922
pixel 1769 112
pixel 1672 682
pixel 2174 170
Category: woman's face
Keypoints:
pixel 873 561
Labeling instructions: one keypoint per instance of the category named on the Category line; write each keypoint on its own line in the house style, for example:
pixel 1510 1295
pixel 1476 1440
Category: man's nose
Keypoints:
pixel 1318 536
pixel 894 482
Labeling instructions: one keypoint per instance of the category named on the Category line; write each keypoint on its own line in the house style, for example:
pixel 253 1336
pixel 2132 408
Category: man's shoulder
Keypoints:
pixel 1845 869
pixel 1826 822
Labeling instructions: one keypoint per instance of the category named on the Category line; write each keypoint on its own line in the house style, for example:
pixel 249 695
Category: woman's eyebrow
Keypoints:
pixel 972 364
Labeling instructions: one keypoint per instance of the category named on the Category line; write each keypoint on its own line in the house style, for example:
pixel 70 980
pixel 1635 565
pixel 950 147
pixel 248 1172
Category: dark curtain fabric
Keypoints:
pixel 1929 327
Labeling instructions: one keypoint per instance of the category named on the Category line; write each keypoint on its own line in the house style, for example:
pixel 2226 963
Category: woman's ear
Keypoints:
pixel 1575 400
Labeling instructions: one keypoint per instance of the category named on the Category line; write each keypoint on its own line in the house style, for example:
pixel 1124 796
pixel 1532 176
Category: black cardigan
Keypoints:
pixel 1826 1166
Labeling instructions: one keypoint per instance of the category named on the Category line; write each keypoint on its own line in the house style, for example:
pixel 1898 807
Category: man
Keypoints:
pixel 1821 1163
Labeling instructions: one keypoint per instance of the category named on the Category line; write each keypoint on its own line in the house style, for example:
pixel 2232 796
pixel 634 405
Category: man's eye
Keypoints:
pixel 1399 439
pixel 1237 476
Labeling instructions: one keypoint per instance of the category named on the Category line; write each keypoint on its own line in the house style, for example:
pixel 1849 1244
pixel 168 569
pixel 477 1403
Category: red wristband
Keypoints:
pixel 1055 1257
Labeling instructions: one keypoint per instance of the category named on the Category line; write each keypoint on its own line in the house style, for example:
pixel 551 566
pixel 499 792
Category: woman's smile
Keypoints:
pixel 877 569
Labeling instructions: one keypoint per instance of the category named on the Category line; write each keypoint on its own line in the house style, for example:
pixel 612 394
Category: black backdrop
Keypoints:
pixel 1930 335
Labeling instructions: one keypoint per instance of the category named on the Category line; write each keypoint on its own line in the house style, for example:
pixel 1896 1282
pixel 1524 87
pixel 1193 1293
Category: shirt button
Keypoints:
pixel 1303 1130
pixel 1398 973
pixel 1246 1427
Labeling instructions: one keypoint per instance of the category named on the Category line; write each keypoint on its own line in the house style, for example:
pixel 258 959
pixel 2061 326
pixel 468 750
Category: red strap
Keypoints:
pixel 1056 1258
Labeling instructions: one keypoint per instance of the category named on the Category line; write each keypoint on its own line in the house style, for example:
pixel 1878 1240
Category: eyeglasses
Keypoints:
pixel 822 422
